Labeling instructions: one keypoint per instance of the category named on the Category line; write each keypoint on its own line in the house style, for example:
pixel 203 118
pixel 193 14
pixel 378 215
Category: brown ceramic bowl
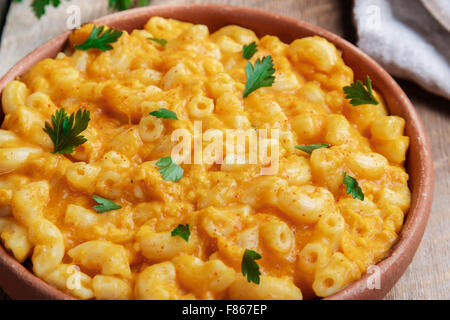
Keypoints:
pixel 20 283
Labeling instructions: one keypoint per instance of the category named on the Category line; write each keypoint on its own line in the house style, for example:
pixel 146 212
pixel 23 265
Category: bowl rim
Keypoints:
pixel 391 267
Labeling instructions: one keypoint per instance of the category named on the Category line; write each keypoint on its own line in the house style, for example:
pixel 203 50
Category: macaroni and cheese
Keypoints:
pixel 312 237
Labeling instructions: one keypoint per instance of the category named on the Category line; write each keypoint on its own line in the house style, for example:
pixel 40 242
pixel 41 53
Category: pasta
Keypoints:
pixel 119 219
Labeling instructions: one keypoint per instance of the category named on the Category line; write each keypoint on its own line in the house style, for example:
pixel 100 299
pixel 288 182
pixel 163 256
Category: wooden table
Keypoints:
pixel 428 276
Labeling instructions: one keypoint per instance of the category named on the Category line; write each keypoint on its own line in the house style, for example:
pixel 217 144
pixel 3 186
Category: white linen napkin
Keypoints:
pixel 407 40
pixel 24 32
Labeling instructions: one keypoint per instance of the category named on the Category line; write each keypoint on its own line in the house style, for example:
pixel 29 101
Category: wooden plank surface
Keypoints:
pixel 428 277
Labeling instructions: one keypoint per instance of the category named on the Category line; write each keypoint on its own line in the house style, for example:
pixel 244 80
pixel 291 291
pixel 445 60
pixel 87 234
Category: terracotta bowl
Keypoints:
pixel 20 283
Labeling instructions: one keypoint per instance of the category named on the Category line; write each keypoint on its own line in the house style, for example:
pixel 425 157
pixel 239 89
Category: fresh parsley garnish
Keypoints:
pixel 97 40
pixel 248 51
pixel 164 113
pixel 162 42
pixel 169 170
pixel 249 267
pixel 311 147
pixel 38 6
pixel 104 205
pixel 260 75
pixel 64 130
pixel 182 231
pixel 353 187
pixel 126 4
pixel 359 94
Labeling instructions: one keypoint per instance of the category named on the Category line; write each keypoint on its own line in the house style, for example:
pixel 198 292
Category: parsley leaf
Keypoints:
pixel 104 204
pixel 64 130
pixel 182 231
pixel 249 266
pixel 162 42
pixel 353 187
pixel 248 51
pixel 261 75
pixel 97 40
pixel 359 94
pixel 38 6
pixel 126 4
pixel 164 113
pixel 311 147
pixel 169 170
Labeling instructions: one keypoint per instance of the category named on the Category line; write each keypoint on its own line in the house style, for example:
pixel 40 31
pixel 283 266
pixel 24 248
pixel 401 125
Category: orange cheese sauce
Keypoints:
pixel 313 237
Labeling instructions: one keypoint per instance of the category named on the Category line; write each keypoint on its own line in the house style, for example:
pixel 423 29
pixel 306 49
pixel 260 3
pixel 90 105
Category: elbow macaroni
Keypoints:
pixel 161 246
pixel 270 288
pixel 103 256
pixel 310 233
